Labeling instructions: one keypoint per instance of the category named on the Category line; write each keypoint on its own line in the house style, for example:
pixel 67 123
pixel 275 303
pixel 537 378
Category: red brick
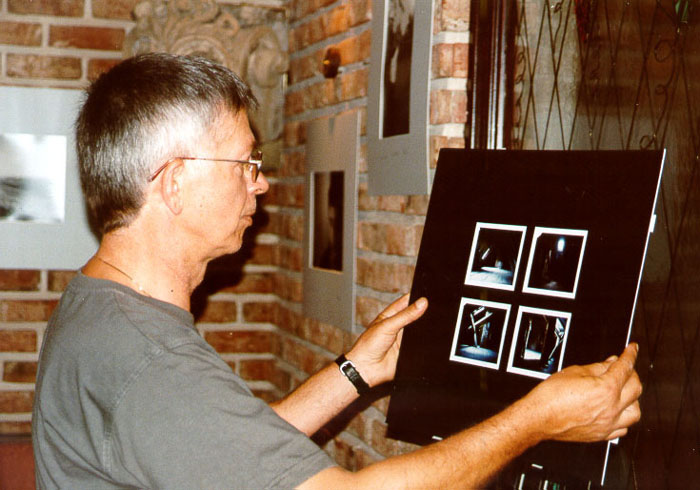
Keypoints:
pixel 418 205
pixel 15 428
pixel 384 276
pixel 257 369
pixel 20 33
pixel 288 288
pixel 241 341
pixel 19 280
pixel 455 15
pixel 251 283
pixel 259 312
pixel 97 67
pixel 19 371
pixel 303 358
pixel 113 9
pixel 64 8
pixel 265 395
pixel 16 401
pixel 294 103
pixel 390 238
pixel 294 133
pixel 289 320
pixel 355 49
pixel 85 37
pixel 360 12
pixel 290 257
pixel 380 203
pixel 58 280
pixel 283 194
pixel 316 29
pixel 219 312
pixel 443 60
pixel 35 66
pixel 324 335
pixel 367 309
pixel 461 60
pixel 353 85
pixel 458 108
pixel 26 310
pixel 18 341
pixel 264 254
pixel 293 164
pixel 337 20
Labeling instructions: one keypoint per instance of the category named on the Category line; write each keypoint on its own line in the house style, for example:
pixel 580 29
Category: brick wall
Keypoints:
pixel 389 227
pixel 249 307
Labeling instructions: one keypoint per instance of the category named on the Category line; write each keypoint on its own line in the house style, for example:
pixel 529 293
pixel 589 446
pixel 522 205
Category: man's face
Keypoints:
pixel 222 199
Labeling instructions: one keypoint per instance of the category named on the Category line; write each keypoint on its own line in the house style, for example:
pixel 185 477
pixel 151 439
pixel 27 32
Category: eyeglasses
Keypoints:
pixel 252 165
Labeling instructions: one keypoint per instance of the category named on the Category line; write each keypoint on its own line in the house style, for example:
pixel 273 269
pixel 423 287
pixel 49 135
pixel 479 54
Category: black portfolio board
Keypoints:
pixel 531 262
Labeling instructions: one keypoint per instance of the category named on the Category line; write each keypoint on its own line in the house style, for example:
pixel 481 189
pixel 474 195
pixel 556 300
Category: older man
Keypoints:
pixel 129 395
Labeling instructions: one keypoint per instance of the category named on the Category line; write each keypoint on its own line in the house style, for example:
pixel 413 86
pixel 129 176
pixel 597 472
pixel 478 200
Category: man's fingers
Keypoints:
pixel 623 367
pixel 391 310
pixel 407 315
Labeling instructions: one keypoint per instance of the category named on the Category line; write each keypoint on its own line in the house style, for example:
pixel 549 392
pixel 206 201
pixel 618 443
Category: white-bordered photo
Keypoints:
pixel 480 333
pixel 539 342
pixel 495 254
pixel 398 160
pixel 554 264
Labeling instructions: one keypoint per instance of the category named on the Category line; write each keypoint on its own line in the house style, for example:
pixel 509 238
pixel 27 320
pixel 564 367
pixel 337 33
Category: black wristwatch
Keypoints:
pixel 348 369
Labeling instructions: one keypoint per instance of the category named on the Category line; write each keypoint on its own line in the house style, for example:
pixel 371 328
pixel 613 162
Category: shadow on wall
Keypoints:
pixel 227 271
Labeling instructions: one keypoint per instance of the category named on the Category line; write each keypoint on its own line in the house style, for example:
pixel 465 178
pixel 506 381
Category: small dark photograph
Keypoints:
pixel 495 256
pixel 478 337
pixel 539 342
pixel 398 55
pixel 328 198
pixel 555 262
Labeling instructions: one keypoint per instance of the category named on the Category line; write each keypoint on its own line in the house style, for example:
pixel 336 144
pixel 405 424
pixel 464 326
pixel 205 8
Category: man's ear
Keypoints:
pixel 171 185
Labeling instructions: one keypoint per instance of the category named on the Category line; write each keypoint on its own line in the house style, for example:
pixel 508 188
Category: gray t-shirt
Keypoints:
pixel 129 395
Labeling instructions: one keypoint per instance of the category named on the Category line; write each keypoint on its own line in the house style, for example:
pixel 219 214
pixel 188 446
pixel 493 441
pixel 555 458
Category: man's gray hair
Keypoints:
pixel 141 113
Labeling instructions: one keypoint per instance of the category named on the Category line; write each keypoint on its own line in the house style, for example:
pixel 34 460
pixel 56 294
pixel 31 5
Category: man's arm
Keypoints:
pixel 580 403
pixel 325 394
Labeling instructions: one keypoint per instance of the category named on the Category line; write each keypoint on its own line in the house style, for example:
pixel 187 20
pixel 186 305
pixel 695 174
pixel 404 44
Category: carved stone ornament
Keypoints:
pixel 201 28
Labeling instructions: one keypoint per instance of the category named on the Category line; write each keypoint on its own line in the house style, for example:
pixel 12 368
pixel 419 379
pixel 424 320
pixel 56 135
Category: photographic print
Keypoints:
pixel 555 261
pixel 32 178
pixel 495 255
pixel 397 67
pixel 328 220
pixel 479 333
pixel 539 341
pixel 398 93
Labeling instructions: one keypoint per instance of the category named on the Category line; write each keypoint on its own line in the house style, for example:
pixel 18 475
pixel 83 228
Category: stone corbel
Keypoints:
pixel 200 27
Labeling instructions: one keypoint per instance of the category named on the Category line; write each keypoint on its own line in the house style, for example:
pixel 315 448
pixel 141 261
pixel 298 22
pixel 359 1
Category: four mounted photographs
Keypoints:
pixel 539 342
pixel 480 333
pixel 495 255
pixel 539 336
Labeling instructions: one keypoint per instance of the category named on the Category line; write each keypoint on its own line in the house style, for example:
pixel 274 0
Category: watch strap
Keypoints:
pixel 349 371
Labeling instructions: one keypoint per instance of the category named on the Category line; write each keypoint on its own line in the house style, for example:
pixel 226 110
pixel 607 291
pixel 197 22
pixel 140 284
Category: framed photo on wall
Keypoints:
pixel 531 261
pixel 398 99
pixel 330 204
pixel 43 222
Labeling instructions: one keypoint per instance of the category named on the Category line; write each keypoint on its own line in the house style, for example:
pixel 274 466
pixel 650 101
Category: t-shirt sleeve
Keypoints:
pixel 187 421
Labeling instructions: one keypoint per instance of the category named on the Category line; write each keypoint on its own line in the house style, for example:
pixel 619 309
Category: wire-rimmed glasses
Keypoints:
pixel 252 165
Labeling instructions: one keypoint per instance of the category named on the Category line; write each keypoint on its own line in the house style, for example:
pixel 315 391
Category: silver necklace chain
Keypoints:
pixel 141 290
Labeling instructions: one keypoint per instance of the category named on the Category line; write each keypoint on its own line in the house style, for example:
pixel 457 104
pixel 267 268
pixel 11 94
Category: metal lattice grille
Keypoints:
pixel 626 75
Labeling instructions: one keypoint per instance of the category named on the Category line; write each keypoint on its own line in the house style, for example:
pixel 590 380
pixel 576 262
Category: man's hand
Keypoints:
pixel 589 403
pixel 376 351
